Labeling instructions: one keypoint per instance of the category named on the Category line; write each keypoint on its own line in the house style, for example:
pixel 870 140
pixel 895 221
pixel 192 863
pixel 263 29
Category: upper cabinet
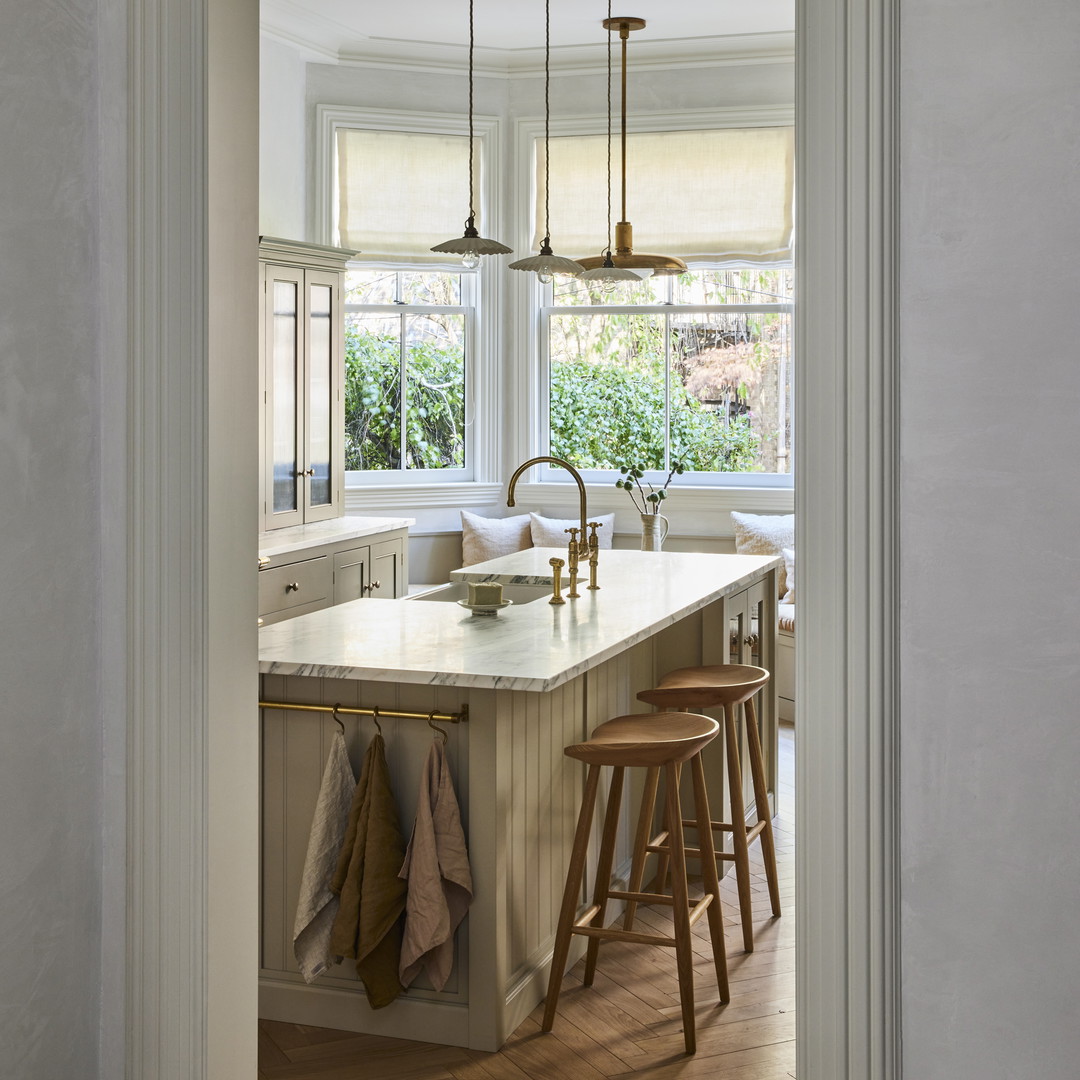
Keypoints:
pixel 302 345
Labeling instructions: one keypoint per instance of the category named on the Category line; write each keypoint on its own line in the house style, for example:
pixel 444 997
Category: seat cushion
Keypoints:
pixel 487 538
pixel 765 534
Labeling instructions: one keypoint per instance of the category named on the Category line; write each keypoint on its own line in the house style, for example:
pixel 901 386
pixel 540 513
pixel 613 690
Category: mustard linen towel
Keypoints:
pixel 369 923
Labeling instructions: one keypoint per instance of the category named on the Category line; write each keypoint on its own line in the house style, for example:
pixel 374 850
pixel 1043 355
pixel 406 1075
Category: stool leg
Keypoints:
pixel 712 881
pixel 665 852
pixel 641 839
pixel 570 896
pixel 761 800
pixel 738 828
pixel 681 907
pixel 603 868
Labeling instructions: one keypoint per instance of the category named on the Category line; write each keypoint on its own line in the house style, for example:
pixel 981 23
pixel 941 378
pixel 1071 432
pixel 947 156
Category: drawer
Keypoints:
pixel 295 585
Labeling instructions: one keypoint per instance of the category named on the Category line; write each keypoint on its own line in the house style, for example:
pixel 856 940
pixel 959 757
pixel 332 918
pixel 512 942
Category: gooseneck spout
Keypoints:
pixel 569 468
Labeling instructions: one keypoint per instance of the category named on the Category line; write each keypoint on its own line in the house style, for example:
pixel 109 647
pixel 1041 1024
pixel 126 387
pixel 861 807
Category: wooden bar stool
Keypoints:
pixel 656 741
pixel 727 685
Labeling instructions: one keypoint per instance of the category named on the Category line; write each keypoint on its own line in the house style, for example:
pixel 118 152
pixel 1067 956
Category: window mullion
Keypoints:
pixel 667 391
pixel 403 405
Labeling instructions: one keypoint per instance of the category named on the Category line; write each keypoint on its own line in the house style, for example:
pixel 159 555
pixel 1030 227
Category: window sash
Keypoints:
pixel 701 478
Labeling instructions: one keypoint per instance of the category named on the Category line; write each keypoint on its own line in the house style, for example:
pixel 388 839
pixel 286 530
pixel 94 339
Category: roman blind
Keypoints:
pixel 724 195
pixel 399 192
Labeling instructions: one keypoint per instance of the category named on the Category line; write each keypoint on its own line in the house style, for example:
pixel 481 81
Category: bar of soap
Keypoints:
pixel 485 593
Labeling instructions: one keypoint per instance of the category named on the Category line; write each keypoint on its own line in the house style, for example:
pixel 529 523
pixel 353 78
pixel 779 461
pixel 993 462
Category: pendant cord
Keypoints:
pixel 624 34
pixel 608 252
pixel 547 121
pixel 472 209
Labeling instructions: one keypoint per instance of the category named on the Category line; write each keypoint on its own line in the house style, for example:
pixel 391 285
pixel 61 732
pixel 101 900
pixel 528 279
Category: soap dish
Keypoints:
pixel 484 609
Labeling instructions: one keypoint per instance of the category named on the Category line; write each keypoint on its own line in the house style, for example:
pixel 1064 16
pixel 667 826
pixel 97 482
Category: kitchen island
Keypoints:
pixel 531 680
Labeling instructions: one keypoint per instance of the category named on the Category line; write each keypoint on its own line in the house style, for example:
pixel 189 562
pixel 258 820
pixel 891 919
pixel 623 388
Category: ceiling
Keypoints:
pixel 510 33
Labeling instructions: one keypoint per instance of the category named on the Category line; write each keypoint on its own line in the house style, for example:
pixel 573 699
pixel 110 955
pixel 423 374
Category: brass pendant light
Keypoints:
pixel 547 264
pixel 624 256
pixel 472 245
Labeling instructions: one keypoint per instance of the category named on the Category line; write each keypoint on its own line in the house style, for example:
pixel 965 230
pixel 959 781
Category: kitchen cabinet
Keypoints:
pixel 332 562
pixel 746 613
pixel 302 346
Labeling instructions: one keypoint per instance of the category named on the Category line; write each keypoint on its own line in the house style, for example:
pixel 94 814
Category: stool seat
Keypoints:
pixel 646 740
pixel 704 687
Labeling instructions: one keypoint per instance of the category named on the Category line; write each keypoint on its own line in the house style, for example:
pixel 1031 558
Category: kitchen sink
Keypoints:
pixel 459 590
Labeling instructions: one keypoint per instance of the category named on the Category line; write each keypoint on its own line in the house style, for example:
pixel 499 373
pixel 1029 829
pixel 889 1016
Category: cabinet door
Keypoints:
pixel 351 574
pixel 284 304
pixel 324 452
pixel 386 569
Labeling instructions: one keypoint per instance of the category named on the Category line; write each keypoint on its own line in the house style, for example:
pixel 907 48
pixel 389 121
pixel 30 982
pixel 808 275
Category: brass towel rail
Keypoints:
pixel 382 714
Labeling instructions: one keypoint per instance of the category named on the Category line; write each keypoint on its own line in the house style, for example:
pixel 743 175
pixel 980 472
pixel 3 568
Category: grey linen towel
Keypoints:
pixel 318 904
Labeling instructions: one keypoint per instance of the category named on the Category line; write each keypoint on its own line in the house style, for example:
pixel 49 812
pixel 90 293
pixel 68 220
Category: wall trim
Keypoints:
pixel 847 505
pixel 167 707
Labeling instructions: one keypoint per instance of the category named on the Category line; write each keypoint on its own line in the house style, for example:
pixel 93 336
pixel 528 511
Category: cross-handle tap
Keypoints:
pixel 582 546
pixel 594 552
pixel 575 555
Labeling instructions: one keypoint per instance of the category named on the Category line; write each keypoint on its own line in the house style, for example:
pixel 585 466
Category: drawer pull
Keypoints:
pixel 264 560
pixel 293 586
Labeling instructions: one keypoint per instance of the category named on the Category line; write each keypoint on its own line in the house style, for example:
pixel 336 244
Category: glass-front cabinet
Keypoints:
pixel 303 393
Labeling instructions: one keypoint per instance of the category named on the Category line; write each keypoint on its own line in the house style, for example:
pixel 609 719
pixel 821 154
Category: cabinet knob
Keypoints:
pixel 374 585
pixel 752 640
pixel 305 472
pixel 293 586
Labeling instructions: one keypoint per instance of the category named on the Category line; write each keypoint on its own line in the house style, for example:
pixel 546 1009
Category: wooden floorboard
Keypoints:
pixel 629 1023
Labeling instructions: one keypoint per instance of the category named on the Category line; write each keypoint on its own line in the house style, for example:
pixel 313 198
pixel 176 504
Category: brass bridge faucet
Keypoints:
pixel 579 545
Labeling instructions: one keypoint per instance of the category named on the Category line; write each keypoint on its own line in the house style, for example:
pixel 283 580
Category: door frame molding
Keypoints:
pixel 847 494
pixel 190 650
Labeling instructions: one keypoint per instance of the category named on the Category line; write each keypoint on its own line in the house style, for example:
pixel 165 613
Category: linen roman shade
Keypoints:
pixel 723 195
pixel 399 192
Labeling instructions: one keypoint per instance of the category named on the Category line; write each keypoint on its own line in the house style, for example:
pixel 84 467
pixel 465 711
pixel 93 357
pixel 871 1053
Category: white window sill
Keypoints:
pixel 422 496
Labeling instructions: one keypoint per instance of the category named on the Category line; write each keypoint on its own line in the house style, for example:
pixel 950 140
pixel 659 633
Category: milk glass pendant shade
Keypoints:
pixel 471 246
pixel 624 256
pixel 547 264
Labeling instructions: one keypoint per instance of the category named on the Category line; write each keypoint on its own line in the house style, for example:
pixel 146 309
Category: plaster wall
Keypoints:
pixel 52 174
pixel 990 676
pixel 282 167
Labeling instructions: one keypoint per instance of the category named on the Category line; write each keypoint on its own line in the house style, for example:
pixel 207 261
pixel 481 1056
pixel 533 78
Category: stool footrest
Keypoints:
pixel 623 935
pixel 642 897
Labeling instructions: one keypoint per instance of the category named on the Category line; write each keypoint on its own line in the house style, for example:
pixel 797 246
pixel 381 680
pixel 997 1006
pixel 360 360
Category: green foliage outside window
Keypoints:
pixel 600 413
pixel 435 396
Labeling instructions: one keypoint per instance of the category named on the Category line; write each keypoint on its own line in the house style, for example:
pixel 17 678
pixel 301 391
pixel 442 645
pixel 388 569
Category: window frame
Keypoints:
pixel 412 488
pixel 470 311
pixel 750 491
pixel 666 310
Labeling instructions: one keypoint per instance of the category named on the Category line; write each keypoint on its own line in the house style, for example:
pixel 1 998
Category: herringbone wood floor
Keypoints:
pixel 627 1023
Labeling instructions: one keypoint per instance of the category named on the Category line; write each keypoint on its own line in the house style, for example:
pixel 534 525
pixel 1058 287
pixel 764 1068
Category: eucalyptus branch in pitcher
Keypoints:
pixel 646 502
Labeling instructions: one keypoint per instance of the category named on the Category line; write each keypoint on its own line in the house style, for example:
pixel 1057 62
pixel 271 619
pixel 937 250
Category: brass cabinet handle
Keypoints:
pixel 305 472
pixel 372 586
pixel 752 640
pixel 264 561
pixel 293 586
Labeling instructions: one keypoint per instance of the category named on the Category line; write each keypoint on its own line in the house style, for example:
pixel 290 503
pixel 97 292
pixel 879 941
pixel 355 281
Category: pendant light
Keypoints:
pixel 607 272
pixel 547 264
pixel 472 245
pixel 625 256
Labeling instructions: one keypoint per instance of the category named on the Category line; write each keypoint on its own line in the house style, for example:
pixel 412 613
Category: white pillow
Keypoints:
pixel 789 569
pixel 487 538
pixel 549 532
pixel 765 534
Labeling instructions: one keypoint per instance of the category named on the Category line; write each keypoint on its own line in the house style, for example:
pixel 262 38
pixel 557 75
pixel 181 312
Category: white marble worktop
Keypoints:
pixel 279 542
pixel 530 646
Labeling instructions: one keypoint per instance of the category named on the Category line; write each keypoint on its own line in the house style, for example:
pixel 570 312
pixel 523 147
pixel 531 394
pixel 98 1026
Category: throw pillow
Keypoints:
pixel 487 538
pixel 765 534
pixel 789 569
pixel 549 532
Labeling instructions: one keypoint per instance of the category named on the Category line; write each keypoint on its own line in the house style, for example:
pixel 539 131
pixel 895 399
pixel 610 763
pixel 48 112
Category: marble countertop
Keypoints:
pixel 299 537
pixel 530 646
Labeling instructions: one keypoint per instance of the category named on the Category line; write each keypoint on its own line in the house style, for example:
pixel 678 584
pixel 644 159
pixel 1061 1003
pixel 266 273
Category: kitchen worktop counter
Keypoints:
pixel 531 646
